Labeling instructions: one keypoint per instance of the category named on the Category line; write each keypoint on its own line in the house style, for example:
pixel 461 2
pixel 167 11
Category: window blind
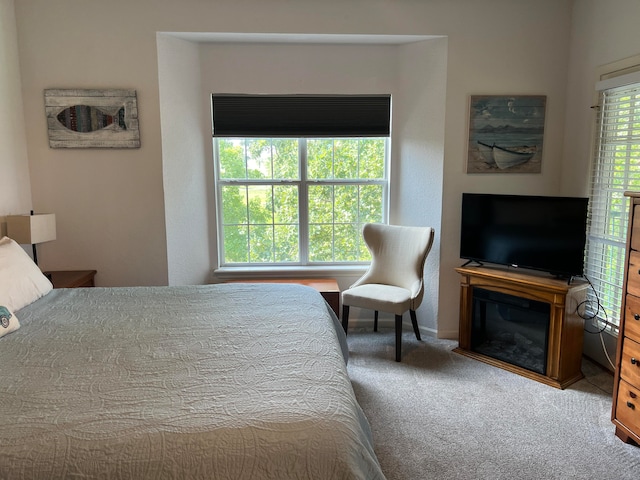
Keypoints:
pixel 616 170
pixel 301 115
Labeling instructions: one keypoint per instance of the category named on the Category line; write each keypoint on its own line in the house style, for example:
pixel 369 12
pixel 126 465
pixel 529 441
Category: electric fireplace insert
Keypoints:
pixel 510 328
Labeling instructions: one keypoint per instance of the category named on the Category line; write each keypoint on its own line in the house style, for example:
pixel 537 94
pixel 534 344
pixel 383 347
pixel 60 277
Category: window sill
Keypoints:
pixel 235 273
pixel 599 326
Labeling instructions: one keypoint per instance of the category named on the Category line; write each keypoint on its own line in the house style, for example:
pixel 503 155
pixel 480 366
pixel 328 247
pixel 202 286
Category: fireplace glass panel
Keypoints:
pixel 511 329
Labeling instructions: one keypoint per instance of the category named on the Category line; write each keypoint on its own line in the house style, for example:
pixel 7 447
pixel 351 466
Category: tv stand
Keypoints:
pixel 565 278
pixel 564 335
pixel 480 264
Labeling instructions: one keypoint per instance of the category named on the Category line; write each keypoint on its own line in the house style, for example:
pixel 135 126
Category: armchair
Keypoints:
pixel 394 281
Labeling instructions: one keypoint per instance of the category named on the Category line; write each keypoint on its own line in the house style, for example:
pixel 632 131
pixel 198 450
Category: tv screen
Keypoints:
pixel 536 232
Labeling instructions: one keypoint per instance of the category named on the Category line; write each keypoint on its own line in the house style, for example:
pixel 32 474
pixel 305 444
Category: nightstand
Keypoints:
pixel 71 278
pixel 328 287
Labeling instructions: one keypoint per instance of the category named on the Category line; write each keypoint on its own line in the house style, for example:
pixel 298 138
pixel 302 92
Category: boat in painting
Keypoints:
pixel 487 152
pixel 504 157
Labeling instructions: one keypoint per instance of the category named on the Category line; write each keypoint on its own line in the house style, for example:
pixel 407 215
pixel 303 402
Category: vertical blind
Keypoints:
pixel 301 115
pixel 616 170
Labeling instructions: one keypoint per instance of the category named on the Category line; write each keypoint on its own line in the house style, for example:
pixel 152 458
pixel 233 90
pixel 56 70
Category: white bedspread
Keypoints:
pixel 227 381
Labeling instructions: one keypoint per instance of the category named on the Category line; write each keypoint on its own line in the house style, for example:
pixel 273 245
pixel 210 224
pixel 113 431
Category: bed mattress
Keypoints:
pixel 228 381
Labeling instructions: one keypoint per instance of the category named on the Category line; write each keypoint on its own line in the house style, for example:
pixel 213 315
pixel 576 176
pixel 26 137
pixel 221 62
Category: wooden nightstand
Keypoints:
pixel 328 287
pixel 71 278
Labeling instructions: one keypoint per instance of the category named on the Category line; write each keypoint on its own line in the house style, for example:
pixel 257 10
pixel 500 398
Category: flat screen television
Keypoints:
pixel 536 232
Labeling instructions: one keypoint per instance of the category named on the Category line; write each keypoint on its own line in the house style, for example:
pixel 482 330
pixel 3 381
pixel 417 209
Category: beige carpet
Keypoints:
pixel 440 415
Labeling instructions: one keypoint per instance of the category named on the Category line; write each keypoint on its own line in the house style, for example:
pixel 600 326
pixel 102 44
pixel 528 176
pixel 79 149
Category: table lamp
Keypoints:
pixel 32 229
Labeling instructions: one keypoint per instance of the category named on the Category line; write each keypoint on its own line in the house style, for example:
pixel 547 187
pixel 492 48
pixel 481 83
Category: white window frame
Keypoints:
pixel 303 213
pixel 608 206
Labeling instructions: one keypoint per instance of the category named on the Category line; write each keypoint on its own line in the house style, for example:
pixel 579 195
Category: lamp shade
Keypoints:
pixel 32 229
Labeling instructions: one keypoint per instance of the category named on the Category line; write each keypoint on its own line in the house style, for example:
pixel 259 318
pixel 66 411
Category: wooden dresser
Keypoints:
pixel 626 388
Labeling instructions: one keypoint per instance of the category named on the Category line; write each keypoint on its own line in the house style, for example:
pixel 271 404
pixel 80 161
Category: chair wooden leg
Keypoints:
pixel 414 321
pixel 345 317
pixel 398 337
pixel 375 321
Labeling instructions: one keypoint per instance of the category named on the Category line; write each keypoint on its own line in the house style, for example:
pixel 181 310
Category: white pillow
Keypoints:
pixel 8 321
pixel 21 281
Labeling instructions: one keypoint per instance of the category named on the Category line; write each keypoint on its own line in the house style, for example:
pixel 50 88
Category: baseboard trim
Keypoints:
pixel 366 323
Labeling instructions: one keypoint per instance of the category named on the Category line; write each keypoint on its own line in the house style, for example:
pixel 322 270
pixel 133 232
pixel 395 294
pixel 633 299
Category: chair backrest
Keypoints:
pixel 398 256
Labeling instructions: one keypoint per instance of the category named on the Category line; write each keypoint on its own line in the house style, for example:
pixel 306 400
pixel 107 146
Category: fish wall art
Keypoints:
pixel 92 118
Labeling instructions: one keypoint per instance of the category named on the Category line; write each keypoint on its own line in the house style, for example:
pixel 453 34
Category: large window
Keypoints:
pixel 302 198
pixel 616 169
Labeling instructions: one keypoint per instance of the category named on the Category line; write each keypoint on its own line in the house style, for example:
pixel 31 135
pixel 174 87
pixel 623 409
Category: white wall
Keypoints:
pixel 413 73
pixel 602 33
pixel 520 49
pixel 186 165
pixel 417 178
pixel 110 205
pixel 598 37
pixel 15 186
pixel 317 68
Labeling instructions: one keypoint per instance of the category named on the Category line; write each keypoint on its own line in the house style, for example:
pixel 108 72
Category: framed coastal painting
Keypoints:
pixel 506 133
pixel 92 118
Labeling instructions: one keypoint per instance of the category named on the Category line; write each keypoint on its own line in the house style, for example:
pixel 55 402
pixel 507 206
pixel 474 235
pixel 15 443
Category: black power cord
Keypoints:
pixel 584 304
pixel 606 323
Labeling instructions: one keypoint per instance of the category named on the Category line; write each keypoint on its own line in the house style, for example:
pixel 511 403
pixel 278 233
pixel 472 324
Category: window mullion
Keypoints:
pixel 303 203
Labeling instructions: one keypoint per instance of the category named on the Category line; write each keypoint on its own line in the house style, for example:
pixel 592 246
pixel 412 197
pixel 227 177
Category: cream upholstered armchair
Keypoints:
pixel 394 281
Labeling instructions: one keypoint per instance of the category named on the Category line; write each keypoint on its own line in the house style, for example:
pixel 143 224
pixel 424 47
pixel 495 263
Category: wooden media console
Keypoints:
pixel 556 302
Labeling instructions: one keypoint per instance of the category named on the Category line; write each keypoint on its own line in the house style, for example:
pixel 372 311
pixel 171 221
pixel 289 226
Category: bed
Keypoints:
pixel 226 381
